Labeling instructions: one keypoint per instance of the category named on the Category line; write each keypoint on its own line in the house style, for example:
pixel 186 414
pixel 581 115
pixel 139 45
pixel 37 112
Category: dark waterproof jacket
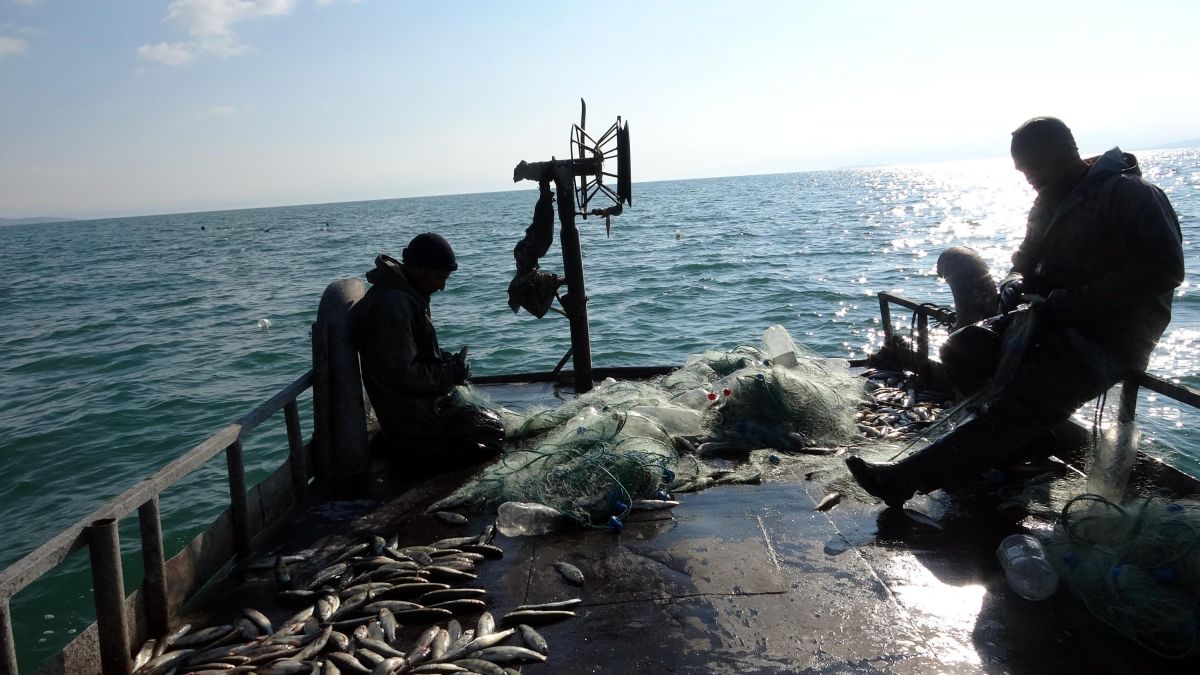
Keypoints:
pixel 404 370
pixel 1114 245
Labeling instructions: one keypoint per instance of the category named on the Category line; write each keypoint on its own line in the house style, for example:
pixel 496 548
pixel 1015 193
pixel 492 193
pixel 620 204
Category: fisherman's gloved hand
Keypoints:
pixel 462 367
pixel 1011 290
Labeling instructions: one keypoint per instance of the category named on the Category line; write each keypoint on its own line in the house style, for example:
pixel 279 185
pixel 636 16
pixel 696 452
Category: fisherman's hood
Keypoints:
pixel 389 273
pixel 1110 163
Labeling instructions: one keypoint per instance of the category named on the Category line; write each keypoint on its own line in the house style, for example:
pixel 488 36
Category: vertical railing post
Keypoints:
pixel 299 463
pixel 237 500
pixel 108 588
pixel 1129 393
pixel 575 300
pixel 154 582
pixel 885 315
pixel 923 339
pixel 8 645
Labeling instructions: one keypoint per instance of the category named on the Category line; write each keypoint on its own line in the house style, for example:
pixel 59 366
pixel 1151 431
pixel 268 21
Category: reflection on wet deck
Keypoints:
pixel 751 579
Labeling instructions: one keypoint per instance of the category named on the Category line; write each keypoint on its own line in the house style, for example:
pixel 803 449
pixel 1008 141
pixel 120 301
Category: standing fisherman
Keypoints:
pixel 1101 258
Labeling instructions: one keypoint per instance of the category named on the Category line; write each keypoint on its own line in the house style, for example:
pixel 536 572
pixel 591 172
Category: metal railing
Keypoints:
pixel 98 532
pixel 1129 386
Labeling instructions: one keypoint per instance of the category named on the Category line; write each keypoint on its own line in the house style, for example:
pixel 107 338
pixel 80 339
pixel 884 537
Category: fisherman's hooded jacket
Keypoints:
pixel 404 369
pixel 1114 245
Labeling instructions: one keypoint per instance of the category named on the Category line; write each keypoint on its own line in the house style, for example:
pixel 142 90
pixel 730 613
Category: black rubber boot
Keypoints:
pixel 947 462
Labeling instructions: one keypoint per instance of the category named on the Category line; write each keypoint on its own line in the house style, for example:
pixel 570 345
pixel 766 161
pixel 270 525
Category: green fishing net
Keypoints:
pixel 1136 566
pixel 594 456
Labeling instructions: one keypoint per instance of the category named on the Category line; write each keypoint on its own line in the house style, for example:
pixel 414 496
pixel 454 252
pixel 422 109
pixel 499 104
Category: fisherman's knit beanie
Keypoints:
pixel 1043 138
pixel 431 251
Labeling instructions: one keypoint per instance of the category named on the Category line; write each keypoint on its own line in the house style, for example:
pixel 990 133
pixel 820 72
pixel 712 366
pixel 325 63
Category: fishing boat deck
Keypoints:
pixel 737 579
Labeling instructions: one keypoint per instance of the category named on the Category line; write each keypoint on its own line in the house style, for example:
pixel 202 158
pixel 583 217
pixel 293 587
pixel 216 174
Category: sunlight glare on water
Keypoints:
pixel 125 342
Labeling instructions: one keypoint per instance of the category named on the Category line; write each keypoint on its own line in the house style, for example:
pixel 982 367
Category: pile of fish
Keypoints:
pixel 360 614
pixel 895 410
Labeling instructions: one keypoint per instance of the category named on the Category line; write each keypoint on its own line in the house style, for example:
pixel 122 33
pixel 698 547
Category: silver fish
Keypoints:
pixel 260 621
pixel 285 667
pixel 203 636
pixel 486 550
pixel 357 549
pixel 451 594
pixel 348 663
pixel 480 666
pixel 282 576
pixel 380 647
pixel 449 574
pixel 828 501
pixel 392 606
pixel 653 504
pixel 440 644
pixel 485 624
pixel 326 607
pixel 448 503
pixel 454 542
pixel 377 544
pixel 569 572
pixel 165 663
pixel 170 639
pixel 144 654
pixel 425 641
pixel 454 629
pixel 418 556
pixel 366 656
pixel 461 606
pixel 489 640
pixel 390 666
pixel 423 615
pixel 536 616
pixel 388 622
pixel 451 517
pixel 334 570
pixel 560 604
pixel 439 668
pixel 533 639
pixel 506 654
pixel 315 646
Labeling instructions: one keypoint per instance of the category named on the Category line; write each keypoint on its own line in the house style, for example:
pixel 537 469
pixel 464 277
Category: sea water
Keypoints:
pixel 125 342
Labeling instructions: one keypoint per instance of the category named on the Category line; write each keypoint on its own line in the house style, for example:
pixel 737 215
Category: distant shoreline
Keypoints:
pixel 33 221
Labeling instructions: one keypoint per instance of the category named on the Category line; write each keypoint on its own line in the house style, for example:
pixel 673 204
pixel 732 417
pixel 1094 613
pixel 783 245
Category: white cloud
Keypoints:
pixel 221 110
pixel 215 18
pixel 168 54
pixel 330 2
pixel 211 23
pixel 12 45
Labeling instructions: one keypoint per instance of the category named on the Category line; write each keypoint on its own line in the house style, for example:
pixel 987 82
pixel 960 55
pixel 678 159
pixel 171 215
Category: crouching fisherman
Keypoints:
pixel 1087 300
pixel 410 381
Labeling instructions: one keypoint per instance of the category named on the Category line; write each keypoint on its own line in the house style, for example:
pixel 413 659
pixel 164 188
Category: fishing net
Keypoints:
pixel 593 457
pixel 1136 567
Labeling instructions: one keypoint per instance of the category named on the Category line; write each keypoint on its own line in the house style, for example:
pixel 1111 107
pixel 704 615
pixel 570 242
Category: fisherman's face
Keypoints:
pixel 428 281
pixel 1049 175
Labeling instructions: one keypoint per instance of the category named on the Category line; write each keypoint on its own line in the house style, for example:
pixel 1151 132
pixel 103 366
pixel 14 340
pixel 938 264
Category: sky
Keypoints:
pixel 133 107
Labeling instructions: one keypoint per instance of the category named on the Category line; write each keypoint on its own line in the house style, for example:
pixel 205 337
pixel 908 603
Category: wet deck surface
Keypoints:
pixel 748 579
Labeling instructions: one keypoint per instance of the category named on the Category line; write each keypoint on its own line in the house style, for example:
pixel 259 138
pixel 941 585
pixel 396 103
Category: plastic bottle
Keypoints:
pixel 520 519
pixel 779 346
pixel 1029 571
pixel 700 399
pixel 676 420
